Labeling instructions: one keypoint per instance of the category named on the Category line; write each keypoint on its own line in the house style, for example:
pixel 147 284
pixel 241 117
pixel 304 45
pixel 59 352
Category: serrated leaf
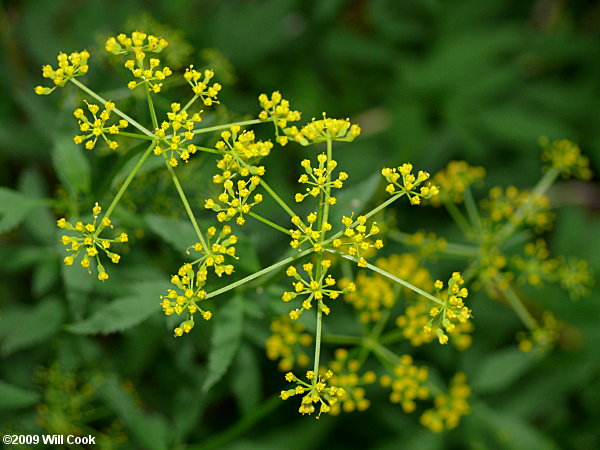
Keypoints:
pixel 225 340
pixel 179 233
pixel 125 312
pixel 13 397
pixel 23 327
pixel 500 369
pixel 14 207
pixel 71 165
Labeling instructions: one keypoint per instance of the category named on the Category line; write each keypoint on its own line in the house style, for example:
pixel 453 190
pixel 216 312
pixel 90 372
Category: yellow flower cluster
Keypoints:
pixel 317 287
pixel 454 181
pixel 541 338
pixel 179 141
pixel 356 238
pixel 323 130
pixel 306 233
pixel 409 183
pixel 346 376
pixel 315 392
pixel 288 343
pixel 320 179
pixel 277 109
pixel 512 205
pixel 536 267
pixel 89 242
pixel 138 43
pixel 240 153
pixel 208 94
pixel 236 201
pixel 566 156
pixel 71 66
pixel 190 283
pixel 451 311
pixel 426 243
pixel 408 267
pixel 449 408
pixel 97 127
pixel 213 255
pixel 416 317
pixel 373 295
pixel 407 382
pixel 575 277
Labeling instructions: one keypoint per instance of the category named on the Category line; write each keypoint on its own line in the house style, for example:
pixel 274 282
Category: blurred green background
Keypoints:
pixel 428 81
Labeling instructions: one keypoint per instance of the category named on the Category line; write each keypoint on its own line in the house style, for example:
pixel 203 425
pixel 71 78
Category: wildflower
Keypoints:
pixel 240 154
pixel 449 408
pixel 289 343
pixel 97 127
pixel 407 382
pixel 566 156
pixel 88 243
pixel 208 94
pixel 451 310
pixel 277 110
pixel 315 392
pixel 575 277
pixel 409 183
pixel 319 178
pixel 146 71
pixel 178 142
pixel 236 201
pixel 536 267
pixel 317 287
pixel 71 66
pixel 345 375
pixel 355 239
pixel 214 253
pixel 323 130
pixel 454 180
pixel 308 233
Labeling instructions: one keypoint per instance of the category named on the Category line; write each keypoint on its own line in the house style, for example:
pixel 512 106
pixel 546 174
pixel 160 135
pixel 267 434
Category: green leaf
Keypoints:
pixel 246 379
pixel 225 340
pixel 71 164
pixel 14 208
pixel 179 233
pixel 13 397
pixel 500 369
pixel 124 312
pixel 26 326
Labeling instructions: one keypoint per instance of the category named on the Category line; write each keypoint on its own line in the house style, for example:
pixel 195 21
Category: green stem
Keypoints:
pixel 277 198
pixel 222 127
pixel 327 188
pixel 318 340
pixel 515 302
pixel 450 249
pixel 190 103
pixel 126 184
pixel 458 217
pixel 117 111
pixel 260 273
pixel 391 277
pixel 392 336
pixel 472 210
pixel 151 107
pixel 185 202
pixel 137 136
pixel 268 222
